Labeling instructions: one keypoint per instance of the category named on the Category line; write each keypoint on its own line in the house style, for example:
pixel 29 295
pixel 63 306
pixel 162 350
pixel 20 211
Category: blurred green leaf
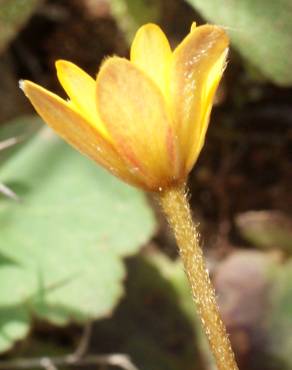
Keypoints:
pixel 280 318
pixel 173 272
pixel 65 238
pixel 14 317
pixel 21 127
pixel 131 14
pixel 17 132
pixel 13 15
pixel 260 30
pixel 14 325
pixel 266 229
pixel 151 323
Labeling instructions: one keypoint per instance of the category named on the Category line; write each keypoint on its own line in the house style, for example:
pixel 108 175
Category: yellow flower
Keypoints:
pixel 144 120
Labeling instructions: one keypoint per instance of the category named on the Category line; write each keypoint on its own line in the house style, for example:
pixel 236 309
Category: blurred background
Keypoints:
pixel 89 274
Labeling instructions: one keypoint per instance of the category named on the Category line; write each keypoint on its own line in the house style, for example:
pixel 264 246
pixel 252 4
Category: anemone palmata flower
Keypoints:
pixel 143 119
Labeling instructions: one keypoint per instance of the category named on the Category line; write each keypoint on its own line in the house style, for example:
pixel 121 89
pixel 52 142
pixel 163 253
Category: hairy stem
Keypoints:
pixel 176 207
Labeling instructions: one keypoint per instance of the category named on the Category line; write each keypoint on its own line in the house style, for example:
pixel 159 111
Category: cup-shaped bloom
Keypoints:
pixel 143 119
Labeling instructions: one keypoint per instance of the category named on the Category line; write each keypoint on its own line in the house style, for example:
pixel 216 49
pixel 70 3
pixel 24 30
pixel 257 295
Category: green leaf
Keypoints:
pixel 131 14
pixel 21 127
pixel 13 15
pixel 66 237
pixel 260 30
pixel 14 325
pixel 151 324
pixel 280 319
pixel 173 272
pixel 266 229
pixel 18 130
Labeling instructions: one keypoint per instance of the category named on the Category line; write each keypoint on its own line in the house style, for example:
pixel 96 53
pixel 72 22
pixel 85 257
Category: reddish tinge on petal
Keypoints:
pixel 76 130
pixel 134 112
pixel 145 120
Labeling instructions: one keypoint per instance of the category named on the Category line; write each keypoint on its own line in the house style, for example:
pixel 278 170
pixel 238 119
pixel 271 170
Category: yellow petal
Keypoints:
pixel 211 85
pixel 198 64
pixel 73 128
pixel 134 112
pixel 151 52
pixel 80 88
pixel 193 26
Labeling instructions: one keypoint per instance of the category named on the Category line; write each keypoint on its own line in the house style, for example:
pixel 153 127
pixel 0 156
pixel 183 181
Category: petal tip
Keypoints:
pixel 148 28
pixel 193 26
pixel 149 25
pixel 24 85
pixel 21 84
pixel 108 63
pixel 215 33
pixel 61 65
pixel 64 67
pixel 61 62
pixel 221 32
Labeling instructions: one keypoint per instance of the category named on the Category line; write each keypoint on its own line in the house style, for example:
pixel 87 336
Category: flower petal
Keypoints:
pixel 211 85
pixel 80 88
pixel 193 26
pixel 198 64
pixel 134 112
pixel 73 128
pixel 151 52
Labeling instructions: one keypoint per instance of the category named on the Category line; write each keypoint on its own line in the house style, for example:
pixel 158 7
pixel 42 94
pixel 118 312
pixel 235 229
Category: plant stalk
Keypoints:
pixel 177 210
